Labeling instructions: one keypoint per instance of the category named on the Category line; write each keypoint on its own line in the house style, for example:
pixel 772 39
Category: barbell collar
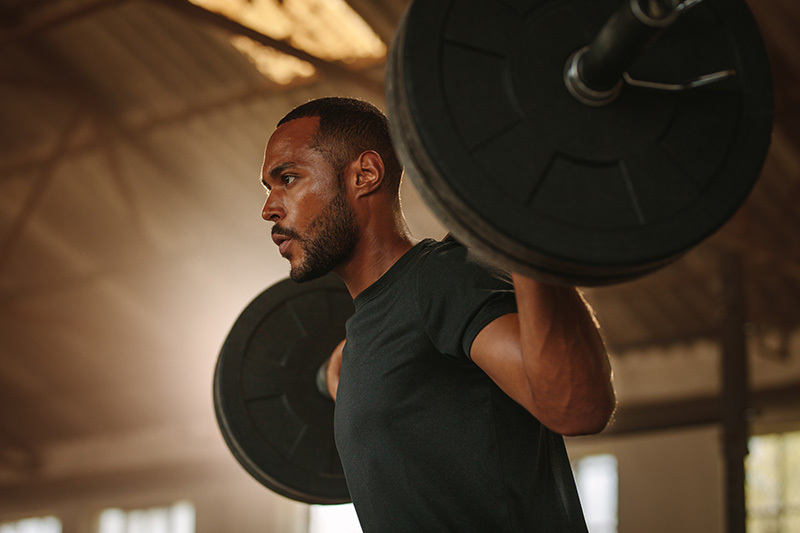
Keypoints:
pixel 583 92
pixel 594 73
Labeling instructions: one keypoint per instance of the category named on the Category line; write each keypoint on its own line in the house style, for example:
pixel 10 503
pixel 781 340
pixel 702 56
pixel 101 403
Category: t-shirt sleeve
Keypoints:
pixel 459 296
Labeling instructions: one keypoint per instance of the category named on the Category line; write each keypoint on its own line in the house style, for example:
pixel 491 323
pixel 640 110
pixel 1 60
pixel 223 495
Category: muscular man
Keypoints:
pixel 456 381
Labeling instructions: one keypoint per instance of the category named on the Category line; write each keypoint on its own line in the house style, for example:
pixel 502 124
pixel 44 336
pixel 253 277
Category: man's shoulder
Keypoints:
pixel 447 249
pixel 448 252
pixel 449 261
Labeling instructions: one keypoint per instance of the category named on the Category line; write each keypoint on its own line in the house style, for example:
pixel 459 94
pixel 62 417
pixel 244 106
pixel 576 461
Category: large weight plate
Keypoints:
pixel 274 420
pixel 531 178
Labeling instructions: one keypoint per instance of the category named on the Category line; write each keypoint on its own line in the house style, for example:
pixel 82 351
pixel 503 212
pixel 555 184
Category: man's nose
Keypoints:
pixel 273 208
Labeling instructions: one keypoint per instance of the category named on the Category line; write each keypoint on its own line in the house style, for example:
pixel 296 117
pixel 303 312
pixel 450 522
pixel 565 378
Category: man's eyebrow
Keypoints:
pixel 275 172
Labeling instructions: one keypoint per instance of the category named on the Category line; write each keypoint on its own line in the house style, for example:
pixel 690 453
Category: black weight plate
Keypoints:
pixel 531 178
pixel 274 420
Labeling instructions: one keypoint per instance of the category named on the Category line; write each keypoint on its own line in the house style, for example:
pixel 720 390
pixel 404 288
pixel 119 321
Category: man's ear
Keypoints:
pixel 366 173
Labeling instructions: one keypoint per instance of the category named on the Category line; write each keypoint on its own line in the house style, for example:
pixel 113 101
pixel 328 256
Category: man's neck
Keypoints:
pixel 373 256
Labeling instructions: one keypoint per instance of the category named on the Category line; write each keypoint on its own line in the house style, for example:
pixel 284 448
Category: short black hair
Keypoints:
pixel 347 128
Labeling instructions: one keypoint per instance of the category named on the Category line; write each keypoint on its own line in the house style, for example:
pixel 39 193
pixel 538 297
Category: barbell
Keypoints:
pixel 580 141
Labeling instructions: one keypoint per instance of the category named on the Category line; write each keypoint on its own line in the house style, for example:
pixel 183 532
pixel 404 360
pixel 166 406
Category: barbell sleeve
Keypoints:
pixel 593 74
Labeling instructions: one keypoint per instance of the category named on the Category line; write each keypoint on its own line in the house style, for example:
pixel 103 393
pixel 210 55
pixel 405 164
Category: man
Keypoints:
pixel 456 385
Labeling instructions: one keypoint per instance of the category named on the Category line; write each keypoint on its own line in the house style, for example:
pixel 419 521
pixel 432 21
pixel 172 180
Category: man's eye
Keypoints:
pixel 288 179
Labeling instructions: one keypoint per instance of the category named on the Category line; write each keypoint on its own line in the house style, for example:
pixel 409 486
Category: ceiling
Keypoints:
pixel 131 137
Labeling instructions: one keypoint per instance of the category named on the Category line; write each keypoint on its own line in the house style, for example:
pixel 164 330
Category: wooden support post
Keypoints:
pixel 734 402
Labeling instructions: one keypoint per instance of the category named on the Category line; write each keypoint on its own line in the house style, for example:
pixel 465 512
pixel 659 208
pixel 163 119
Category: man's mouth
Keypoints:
pixel 283 246
pixel 282 240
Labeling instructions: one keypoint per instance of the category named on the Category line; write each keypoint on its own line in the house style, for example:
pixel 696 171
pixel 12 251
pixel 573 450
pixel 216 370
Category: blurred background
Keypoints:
pixel 131 139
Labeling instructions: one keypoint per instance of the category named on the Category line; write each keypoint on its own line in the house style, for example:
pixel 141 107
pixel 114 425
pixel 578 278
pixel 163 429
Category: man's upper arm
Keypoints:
pixel 550 358
pixel 497 351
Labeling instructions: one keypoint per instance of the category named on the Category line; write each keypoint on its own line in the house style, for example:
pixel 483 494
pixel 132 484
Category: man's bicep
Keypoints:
pixel 497 351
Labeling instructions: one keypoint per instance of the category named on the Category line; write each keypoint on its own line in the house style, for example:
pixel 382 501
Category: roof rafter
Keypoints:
pixel 330 68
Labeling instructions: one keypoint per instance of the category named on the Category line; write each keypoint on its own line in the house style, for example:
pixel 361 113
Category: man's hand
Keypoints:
pixel 334 369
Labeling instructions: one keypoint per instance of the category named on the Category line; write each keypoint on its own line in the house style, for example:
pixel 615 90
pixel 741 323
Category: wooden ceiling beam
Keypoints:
pixel 142 127
pixel 16 459
pixel 764 257
pixel 696 411
pixel 17 462
pixel 335 70
pixel 12 237
pixel 51 21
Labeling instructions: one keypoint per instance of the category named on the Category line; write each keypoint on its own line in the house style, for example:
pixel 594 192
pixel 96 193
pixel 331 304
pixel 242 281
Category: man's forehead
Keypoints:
pixel 289 146
pixel 291 137
pixel 299 130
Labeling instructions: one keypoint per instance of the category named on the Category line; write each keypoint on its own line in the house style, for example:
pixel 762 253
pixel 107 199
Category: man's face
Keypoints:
pixel 315 226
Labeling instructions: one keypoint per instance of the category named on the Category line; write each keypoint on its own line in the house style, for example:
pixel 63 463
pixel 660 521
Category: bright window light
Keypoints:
pixel 772 484
pixel 328 29
pixel 333 519
pixel 178 518
pixel 596 478
pixel 44 524
pixel 278 67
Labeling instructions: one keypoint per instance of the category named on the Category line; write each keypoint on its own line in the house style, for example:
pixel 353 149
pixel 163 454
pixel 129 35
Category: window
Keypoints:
pixel 178 518
pixel 596 478
pixel 773 484
pixel 44 524
pixel 333 519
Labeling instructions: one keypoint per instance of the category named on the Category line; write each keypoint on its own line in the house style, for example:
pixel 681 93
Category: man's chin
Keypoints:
pixel 303 276
pixel 301 273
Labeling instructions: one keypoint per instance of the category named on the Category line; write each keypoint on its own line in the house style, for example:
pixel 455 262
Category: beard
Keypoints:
pixel 329 241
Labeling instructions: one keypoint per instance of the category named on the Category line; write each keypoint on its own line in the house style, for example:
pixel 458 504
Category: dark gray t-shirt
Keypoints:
pixel 428 442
